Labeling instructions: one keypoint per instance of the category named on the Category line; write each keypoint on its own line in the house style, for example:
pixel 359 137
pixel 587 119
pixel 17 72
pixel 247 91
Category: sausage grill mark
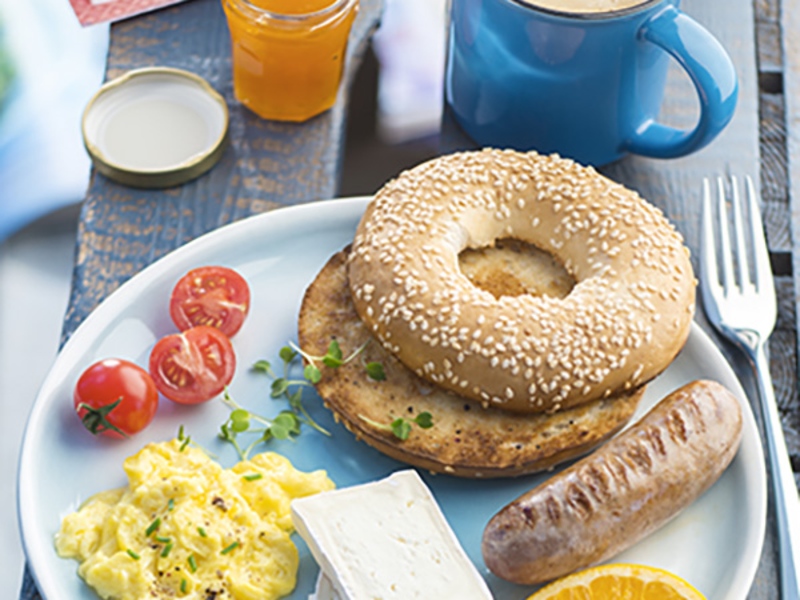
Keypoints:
pixel 653 435
pixel 598 482
pixel 637 458
pixel 579 502
pixel 553 506
pixel 677 427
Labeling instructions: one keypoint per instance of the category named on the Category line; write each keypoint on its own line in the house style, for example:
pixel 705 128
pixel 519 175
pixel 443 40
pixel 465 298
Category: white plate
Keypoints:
pixel 715 544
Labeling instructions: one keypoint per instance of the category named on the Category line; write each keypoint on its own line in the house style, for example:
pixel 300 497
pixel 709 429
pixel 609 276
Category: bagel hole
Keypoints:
pixel 512 268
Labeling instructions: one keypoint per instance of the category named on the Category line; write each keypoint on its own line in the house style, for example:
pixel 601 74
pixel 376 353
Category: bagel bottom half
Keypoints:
pixel 466 440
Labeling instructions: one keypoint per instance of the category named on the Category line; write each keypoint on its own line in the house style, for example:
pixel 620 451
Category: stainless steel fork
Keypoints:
pixel 743 309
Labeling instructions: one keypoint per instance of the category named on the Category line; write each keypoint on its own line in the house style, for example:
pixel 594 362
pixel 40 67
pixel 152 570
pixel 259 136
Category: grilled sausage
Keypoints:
pixel 611 499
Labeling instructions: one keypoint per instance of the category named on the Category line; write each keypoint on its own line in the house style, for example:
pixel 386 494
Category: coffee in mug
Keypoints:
pixel 583 78
pixel 585 6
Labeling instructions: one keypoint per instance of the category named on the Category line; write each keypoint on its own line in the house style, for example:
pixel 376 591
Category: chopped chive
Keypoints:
pixel 171 504
pixel 167 549
pixel 180 432
pixel 229 548
pixel 162 539
pixel 183 586
pixel 192 563
pixel 132 554
pixel 253 476
pixel 202 532
pixel 185 443
pixel 153 526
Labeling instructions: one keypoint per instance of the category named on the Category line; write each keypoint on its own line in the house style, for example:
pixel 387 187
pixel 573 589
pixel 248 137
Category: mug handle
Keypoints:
pixel 714 77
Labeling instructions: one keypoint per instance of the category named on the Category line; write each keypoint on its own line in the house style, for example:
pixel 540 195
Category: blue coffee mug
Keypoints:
pixel 587 86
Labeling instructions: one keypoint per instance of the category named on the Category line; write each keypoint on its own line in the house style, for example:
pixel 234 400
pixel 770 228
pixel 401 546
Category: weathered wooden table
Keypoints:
pixel 269 165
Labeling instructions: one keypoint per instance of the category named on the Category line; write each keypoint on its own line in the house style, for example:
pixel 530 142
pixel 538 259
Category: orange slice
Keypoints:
pixel 614 582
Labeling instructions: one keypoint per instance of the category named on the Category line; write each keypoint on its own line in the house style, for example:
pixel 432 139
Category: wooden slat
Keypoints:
pixel 790 24
pixel 772 140
pixel 783 364
pixel 773 130
pixel 768 35
pixel 267 164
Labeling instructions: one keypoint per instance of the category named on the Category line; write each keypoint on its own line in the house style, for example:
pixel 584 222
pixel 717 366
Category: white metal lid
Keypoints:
pixel 155 127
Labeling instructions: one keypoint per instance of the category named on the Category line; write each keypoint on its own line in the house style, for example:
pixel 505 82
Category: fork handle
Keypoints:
pixel 787 505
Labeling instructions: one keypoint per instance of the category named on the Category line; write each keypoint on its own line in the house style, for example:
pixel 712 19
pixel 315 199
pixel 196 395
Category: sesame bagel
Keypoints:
pixel 465 440
pixel 623 322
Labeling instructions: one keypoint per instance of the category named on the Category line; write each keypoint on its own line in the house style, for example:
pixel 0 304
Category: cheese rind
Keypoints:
pixel 387 540
pixel 324 589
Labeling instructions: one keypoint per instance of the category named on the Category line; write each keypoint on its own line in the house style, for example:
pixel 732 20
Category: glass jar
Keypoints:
pixel 288 55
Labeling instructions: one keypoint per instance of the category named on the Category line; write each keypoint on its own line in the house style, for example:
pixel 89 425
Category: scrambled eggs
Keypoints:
pixel 187 528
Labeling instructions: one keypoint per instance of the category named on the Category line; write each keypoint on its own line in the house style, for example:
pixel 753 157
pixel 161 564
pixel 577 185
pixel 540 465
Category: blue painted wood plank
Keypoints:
pixel 267 164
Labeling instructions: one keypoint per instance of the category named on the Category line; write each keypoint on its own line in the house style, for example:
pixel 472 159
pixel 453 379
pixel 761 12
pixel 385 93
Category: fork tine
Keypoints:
pixel 724 238
pixel 709 277
pixel 762 267
pixel 738 232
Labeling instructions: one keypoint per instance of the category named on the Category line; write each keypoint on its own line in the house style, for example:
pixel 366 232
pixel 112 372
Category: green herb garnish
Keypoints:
pixel 202 532
pixel 253 476
pixel 162 540
pixel 133 554
pixel 171 505
pixel 287 424
pixel 186 440
pixel 167 549
pixel 183 585
pixel 401 427
pixel 334 359
pixel 192 563
pixel 375 371
pixel 153 527
pixel 233 546
pixel 283 426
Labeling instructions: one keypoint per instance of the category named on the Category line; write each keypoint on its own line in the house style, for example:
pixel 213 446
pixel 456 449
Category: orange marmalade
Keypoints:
pixel 288 55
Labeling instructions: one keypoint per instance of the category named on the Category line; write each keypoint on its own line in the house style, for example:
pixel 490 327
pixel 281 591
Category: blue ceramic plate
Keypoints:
pixel 715 544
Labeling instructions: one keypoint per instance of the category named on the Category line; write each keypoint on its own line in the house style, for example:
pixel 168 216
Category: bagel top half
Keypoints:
pixel 624 321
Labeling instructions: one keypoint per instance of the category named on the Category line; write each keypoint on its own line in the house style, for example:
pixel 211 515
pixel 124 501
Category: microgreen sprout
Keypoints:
pixel 240 420
pixel 334 359
pixel 375 371
pixel 401 427
pixel 286 425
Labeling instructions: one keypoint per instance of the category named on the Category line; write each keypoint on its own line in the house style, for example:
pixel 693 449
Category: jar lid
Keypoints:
pixel 155 127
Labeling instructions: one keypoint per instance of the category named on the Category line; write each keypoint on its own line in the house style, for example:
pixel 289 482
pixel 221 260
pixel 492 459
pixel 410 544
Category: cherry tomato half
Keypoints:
pixel 193 366
pixel 214 296
pixel 116 398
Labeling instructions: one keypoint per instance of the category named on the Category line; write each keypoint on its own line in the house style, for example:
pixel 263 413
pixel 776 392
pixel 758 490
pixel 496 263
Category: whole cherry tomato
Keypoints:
pixel 193 366
pixel 116 398
pixel 214 296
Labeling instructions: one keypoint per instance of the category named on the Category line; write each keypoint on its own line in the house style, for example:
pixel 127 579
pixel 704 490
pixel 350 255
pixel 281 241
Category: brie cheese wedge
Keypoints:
pixel 386 540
